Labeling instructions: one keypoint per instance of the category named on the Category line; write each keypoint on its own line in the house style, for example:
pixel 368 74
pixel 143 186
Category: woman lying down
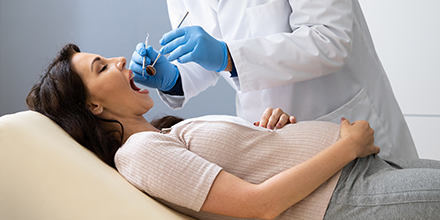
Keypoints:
pixel 222 167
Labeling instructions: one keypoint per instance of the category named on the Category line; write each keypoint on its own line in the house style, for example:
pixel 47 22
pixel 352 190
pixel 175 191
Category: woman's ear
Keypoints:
pixel 96 109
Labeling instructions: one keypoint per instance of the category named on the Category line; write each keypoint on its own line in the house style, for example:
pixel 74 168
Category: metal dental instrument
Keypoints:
pixel 150 68
pixel 178 26
pixel 152 65
pixel 143 61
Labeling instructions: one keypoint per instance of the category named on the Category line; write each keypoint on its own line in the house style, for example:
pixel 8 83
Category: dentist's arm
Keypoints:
pixel 232 196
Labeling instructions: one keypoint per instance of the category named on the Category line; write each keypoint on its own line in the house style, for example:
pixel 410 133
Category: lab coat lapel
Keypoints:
pixel 212 3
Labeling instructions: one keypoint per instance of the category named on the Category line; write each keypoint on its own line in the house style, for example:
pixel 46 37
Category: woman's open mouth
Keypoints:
pixel 134 87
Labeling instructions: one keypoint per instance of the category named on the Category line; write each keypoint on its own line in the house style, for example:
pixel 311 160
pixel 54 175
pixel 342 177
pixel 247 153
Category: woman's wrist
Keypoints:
pixel 348 147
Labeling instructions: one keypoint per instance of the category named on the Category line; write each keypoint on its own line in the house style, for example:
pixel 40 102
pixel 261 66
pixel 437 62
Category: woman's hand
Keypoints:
pixel 361 135
pixel 275 117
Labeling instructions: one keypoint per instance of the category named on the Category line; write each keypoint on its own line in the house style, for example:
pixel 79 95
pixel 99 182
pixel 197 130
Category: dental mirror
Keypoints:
pixel 150 68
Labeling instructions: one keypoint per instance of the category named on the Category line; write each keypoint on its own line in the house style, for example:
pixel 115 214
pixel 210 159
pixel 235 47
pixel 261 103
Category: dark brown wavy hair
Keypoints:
pixel 60 94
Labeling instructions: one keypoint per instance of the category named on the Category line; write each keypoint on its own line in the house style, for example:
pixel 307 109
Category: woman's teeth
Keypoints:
pixel 134 87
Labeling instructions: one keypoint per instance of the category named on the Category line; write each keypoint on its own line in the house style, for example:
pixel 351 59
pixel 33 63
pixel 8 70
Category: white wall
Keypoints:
pixel 32 32
pixel 406 36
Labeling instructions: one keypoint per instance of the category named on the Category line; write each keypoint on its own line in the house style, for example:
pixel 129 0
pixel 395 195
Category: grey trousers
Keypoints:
pixel 373 188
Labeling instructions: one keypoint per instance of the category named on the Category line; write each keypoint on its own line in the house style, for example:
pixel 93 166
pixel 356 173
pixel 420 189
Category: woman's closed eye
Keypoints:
pixel 103 68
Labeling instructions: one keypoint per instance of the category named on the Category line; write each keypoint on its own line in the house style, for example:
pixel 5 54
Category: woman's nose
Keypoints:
pixel 121 62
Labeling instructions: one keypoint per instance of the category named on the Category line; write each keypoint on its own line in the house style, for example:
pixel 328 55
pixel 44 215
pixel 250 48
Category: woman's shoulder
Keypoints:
pixel 141 141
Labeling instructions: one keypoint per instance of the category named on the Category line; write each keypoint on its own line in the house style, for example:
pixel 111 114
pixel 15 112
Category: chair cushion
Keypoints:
pixel 45 174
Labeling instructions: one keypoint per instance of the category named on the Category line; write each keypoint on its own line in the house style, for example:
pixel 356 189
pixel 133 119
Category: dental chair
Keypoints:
pixel 46 175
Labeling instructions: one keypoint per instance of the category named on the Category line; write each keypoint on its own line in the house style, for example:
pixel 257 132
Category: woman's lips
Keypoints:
pixel 143 91
pixel 134 87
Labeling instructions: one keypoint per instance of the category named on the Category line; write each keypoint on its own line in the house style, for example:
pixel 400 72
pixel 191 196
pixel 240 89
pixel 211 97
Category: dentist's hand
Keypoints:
pixel 166 73
pixel 193 44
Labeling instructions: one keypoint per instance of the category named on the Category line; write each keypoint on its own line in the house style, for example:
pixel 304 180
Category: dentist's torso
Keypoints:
pixel 307 79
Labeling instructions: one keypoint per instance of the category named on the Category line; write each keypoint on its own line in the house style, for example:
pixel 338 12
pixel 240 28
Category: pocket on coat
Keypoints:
pixel 269 18
pixel 360 108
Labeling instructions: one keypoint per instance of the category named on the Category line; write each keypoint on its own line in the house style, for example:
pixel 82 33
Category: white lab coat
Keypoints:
pixel 313 59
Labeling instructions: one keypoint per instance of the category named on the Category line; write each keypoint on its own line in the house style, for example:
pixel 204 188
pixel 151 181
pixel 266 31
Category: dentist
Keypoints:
pixel 313 59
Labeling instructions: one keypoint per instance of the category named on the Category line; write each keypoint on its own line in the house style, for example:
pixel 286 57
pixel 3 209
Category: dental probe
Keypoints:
pixel 143 61
pixel 150 68
pixel 178 26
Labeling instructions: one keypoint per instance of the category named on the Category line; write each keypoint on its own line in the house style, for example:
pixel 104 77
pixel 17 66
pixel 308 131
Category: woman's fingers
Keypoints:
pixel 361 136
pixel 272 118
pixel 292 119
pixel 265 117
pixel 377 149
pixel 277 116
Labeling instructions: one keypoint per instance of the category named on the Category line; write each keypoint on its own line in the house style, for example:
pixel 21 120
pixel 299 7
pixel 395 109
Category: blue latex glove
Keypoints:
pixel 166 73
pixel 192 43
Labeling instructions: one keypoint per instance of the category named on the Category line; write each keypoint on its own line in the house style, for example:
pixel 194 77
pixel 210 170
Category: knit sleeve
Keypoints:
pixel 163 167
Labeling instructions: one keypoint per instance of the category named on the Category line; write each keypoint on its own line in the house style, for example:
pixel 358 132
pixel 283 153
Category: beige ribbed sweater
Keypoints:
pixel 179 168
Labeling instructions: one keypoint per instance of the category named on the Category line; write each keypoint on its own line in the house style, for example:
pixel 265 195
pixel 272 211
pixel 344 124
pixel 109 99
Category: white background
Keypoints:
pixel 406 35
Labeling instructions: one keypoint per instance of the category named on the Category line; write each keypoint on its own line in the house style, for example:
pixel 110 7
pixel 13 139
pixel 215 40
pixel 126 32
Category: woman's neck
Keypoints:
pixel 132 126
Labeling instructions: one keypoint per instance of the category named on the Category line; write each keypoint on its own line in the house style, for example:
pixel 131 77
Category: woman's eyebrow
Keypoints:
pixel 94 60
